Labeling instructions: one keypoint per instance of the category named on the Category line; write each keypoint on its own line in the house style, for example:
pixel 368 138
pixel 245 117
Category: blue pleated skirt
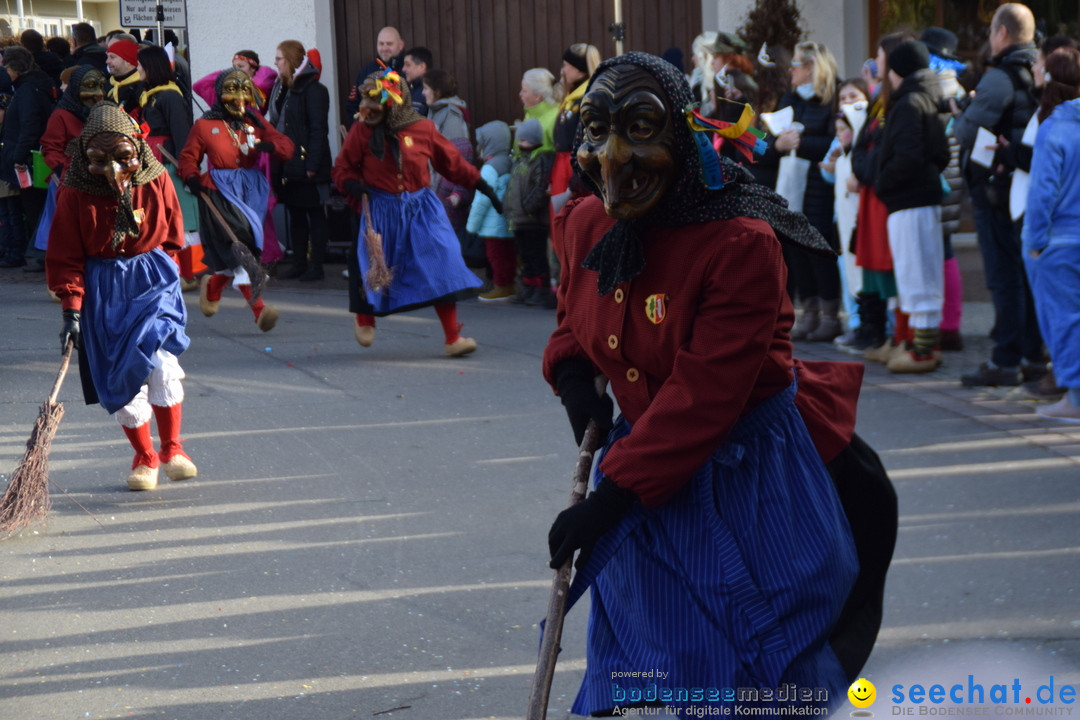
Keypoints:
pixel 421 249
pixel 41 234
pixel 736 582
pixel 249 191
pixel 132 308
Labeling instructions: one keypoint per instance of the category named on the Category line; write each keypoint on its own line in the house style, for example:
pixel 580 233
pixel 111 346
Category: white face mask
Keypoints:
pixel 805 91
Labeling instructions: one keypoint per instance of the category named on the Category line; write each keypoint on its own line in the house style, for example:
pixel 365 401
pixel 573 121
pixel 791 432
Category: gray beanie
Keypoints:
pixel 530 131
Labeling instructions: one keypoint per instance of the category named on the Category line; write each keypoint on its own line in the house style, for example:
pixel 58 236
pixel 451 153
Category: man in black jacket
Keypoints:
pixel 913 153
pixel 391 51
pixel 48 62
pixel 1003 104
pixel 418 61
pixel 27 113
pixel 85 49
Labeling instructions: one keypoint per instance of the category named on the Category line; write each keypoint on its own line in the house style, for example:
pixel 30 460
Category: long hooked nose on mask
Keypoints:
pixel 117 177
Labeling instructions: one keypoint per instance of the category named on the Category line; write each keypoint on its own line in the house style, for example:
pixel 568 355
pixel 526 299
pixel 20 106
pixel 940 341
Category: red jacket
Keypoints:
pixel 420 143
pixel 212 138
pixel 83 225
pixel 62 128
pixel 694 342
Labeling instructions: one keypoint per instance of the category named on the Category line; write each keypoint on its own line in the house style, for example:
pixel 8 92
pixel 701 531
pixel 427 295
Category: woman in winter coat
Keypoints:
pixel 300 109
pixel 540 95
pixel 814 279
pixel 872 252
pixel 1051 235
pixel 451 118
pixel 165 112
pixel 913 154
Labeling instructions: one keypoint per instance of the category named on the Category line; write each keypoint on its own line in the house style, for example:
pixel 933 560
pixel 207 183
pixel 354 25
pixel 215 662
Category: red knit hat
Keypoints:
pixel 126 50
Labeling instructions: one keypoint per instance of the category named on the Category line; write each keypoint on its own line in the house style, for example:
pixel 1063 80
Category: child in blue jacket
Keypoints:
pixel 493 145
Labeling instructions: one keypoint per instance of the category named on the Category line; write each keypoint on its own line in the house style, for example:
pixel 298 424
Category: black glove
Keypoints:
pixel 264 146
pixel 194 185
pixel 356 188
pixel 70 331
pixel 581 525
pixel 575 383
pixel 484 189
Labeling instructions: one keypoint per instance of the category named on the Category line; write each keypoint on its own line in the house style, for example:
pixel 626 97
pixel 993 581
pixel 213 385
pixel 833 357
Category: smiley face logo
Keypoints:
pixel 862 693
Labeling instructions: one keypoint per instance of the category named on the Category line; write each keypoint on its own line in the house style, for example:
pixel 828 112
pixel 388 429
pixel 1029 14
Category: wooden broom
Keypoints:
pixel 27 495
pixel 379 276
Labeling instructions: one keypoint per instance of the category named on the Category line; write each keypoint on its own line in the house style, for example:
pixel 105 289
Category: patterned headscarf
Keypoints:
pixel 106 117
pixel 218 112
pixel 620 256
pixel 70 100
pixel 398 116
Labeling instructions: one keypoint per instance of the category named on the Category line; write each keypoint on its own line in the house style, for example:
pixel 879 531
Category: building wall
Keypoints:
pixel 216 30
pixel 104 16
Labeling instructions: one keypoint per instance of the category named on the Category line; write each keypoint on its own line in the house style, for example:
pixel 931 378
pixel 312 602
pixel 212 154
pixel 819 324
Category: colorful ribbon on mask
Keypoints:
pixel 748 140
pixel 388 86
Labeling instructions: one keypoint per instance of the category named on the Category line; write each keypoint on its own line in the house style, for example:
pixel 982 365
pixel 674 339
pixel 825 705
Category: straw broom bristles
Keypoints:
pixel 27 494
pixel 379 276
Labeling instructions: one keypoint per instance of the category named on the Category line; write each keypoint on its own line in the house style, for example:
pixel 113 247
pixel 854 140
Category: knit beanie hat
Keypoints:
pixel 907 57
pixel 530 131
pixel 126 50
pixel 576 60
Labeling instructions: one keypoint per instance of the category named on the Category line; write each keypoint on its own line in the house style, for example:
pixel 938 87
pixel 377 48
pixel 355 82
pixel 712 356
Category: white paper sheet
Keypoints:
pixel 985 146
pixel 779 121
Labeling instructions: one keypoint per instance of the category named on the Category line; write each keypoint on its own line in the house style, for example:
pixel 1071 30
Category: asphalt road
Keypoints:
pixel 367 533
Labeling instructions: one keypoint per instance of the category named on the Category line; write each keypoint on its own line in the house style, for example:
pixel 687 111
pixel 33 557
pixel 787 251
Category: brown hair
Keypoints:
pixel 1063 80
pixel 442 83
pixel 293 52
pixel 888 43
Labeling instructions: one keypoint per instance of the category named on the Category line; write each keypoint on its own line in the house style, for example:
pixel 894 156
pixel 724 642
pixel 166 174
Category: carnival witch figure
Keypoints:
pixel 386 157
pixel 117 223
pixel 715 542
pixel 231 134
pixel 85 89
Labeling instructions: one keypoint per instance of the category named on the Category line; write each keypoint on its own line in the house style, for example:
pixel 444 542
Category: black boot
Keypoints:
pixel 873 319
pixel 871 330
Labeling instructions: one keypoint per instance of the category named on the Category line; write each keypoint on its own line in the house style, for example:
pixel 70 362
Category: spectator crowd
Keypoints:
pixel 878 164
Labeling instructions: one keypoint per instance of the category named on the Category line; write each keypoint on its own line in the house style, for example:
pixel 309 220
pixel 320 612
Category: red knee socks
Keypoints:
pixel 168 425
pixel 215 285
pixel 143 444
pixel 257 306
pixel 450 325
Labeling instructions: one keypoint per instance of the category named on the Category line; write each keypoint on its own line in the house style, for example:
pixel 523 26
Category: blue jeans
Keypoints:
pixel 1016 328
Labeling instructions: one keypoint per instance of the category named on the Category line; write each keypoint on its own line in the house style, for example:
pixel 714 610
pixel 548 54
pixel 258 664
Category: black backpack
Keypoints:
pixel 1022 105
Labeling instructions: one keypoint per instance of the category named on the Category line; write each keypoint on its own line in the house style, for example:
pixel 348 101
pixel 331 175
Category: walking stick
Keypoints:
pixel 27 495
pixel 242 255
pixel 553 625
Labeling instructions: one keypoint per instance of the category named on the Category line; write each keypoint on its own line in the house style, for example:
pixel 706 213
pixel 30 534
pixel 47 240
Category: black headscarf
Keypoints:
pixel 217 111
pixel 107 117
pixel 620 256
pixel 70 100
